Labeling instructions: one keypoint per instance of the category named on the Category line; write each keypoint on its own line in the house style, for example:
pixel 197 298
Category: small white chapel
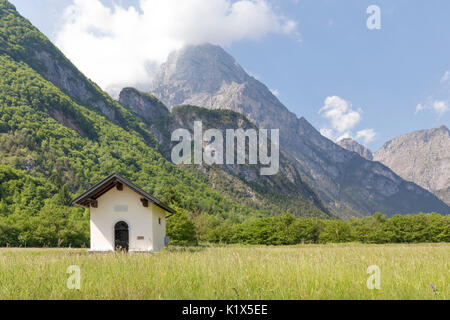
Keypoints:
pixel 124 217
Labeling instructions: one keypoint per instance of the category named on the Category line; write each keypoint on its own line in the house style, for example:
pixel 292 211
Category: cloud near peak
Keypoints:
pixel 340 113
pixel 121 46
pixel 342 119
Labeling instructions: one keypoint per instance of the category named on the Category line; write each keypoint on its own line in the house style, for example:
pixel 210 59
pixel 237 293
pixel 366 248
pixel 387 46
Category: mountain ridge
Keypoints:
pixel 287 183
pixel 323 164
pixel 352 145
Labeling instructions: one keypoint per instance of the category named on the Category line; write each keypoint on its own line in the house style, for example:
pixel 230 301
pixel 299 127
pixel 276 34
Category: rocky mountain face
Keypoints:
pixel 145 105
pixel 287 184
pixel 207 76
pixel 353 146
pixel 151 110
pixel 422 157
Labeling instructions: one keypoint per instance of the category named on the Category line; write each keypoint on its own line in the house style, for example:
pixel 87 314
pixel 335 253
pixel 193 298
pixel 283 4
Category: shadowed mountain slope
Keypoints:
pixel 285 189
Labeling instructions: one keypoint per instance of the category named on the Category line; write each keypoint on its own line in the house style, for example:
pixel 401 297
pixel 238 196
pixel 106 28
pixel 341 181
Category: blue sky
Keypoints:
pixel 379 75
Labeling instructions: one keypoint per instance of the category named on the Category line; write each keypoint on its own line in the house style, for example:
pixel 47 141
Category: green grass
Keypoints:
pixel 299 272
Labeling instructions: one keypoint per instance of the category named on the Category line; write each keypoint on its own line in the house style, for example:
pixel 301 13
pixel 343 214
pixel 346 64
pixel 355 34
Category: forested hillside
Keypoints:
pixel 58 141
pixel 35 212
pixel 23 42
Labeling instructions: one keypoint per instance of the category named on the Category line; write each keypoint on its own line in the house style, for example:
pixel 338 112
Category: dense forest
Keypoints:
pixel 35 213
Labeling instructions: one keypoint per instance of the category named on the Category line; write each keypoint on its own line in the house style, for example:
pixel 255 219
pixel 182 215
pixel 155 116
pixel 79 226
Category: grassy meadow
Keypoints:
pixel 294 273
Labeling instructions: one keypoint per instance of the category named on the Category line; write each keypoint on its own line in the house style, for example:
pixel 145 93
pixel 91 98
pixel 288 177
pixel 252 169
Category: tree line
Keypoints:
pixel 289 230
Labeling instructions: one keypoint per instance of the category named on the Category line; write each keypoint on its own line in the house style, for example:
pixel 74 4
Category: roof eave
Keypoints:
pixel 81 199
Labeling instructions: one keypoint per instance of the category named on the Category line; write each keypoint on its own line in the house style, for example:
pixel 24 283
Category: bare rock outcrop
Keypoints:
pixel 422 157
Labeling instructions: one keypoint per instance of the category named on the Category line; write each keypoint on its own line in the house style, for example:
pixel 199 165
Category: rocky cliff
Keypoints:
pixel 422 157
pixel 353 146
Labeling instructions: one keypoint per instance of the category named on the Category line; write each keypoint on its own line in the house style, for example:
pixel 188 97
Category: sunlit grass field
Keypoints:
pixel 294 273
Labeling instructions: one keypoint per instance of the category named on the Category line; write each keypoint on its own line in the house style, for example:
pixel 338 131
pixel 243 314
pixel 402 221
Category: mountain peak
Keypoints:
pixel 420 135
pixel 205 48
pixel 422 157
pixel 353 146
pixel 443 128
pixel 196 69
pixel 434 131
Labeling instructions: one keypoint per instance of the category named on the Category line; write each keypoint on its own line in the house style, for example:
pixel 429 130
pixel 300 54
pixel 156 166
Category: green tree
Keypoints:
pixel 180 229
pixel 64 196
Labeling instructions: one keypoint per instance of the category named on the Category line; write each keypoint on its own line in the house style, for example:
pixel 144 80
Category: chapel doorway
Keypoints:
pixel 122 236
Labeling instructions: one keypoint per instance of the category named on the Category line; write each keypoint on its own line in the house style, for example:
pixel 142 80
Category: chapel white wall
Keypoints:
pixel 159 230
pixel 140 220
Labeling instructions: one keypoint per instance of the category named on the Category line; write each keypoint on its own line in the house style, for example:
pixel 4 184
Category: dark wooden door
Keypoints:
pixel 122 236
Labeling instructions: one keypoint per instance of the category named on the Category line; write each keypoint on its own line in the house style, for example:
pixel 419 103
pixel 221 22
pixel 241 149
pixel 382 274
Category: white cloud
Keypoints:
pixel 343 118
pixel 328 133
pixel 445 77
pixel 340 113
pixel 440 107
pixel 123 46
pixel 438 101
pixel 275 92
pixel 346 135
pixel 366 136
pixel 420 107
